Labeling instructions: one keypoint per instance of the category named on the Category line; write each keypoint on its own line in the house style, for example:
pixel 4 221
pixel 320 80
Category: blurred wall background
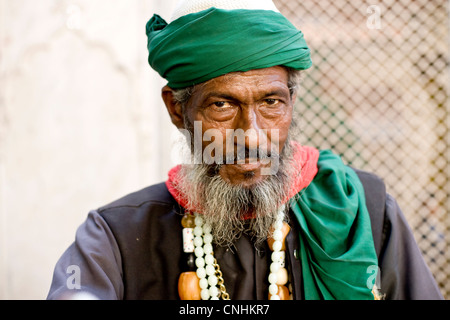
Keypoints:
pixel 82 122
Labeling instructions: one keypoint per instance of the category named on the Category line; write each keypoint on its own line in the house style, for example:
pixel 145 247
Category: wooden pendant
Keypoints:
pixel 188 286
pixel 283 293
pixel 284 230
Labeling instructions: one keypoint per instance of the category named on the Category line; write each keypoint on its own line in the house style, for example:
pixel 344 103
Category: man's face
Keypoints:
pixel 254 100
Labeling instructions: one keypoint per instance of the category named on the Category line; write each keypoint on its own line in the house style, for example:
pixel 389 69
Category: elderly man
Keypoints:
pixel 253 214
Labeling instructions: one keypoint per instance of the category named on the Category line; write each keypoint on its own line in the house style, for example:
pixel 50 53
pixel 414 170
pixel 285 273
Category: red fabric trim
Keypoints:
pixel 306 159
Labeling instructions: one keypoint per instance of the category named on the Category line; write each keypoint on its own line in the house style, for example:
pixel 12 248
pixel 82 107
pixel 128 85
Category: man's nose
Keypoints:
pixel 248 119
pixel 250 124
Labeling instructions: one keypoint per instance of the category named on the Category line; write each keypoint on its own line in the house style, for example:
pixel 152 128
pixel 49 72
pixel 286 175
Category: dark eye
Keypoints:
pixel 220 104
pixel 271 101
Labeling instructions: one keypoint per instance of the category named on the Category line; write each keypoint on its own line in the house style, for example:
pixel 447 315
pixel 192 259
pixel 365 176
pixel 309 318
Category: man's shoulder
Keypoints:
pixel 374 189
pixel 371 180
pixel 156 194
pixel 375 197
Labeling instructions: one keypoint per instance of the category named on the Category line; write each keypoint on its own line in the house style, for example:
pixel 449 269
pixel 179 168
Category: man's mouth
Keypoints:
pixel 249 165
pixel 247 156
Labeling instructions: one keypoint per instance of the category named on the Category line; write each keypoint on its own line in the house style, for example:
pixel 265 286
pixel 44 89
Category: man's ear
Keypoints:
pixel 173 107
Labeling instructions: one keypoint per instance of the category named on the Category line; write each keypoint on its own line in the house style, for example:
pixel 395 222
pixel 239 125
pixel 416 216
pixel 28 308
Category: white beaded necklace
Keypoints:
pixel 208 271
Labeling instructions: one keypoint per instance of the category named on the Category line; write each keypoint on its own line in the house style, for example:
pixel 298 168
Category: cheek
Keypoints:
pixel 213 133
pixel 279 131
pixel 213 139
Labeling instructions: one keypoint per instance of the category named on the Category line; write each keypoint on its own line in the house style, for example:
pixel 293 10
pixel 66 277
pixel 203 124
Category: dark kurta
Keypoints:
pixel 132 249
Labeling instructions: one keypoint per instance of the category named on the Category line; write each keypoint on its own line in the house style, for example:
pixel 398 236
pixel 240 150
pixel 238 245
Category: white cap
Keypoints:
pixel 185 7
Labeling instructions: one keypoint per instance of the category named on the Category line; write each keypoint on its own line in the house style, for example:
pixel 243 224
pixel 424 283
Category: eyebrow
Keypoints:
pixel 280 93
pixel 219 95
pixel 225 96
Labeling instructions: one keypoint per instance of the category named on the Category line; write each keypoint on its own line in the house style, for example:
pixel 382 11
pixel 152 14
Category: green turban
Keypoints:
pixel 201 46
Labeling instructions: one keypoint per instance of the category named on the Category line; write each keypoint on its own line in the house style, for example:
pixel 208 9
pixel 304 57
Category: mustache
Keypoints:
pixel 242 153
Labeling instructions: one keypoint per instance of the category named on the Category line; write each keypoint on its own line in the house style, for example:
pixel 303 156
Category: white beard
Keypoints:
pixel 224 205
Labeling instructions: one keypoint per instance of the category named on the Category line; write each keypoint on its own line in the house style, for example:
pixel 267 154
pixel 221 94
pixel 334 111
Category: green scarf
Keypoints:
pixel 201 46
pixel 337 252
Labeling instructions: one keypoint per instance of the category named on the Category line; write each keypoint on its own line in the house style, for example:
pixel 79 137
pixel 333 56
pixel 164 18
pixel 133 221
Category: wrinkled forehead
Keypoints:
pixel 254 79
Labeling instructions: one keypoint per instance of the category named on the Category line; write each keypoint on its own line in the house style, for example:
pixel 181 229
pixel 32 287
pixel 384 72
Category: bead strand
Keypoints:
pixel 188 286
pixel 278 276
pixel 207 281
pixel 205 261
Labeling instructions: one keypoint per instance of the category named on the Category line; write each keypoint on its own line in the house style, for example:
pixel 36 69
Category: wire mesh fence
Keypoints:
pixel 378 94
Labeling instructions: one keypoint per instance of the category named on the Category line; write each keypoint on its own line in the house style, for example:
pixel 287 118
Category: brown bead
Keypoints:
pixel 188 286
pixel 188 221
pixel 284 230
pixel 283 293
